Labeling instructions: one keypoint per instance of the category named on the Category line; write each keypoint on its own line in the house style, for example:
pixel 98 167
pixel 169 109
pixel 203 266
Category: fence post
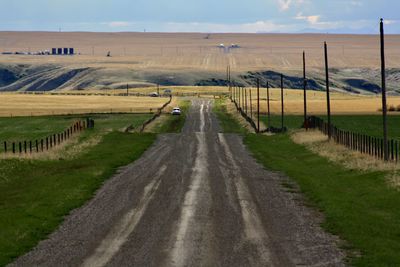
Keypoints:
pixel 13 147
pixel 5 146
pixel 37 146
pixel 30 147
pixel 20 147
pixel 251 106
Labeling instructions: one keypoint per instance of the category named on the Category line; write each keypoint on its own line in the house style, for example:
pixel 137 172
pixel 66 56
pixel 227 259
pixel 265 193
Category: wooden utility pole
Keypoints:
pixel 268 107
pixel 328 100
pixel 158 89
pixel 305 91
pixel 282 104
pixel 127 89
pixel 384 103
pixel 258 105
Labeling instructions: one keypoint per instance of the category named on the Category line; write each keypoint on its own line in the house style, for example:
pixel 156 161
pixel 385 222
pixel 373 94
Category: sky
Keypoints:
pixel 252 16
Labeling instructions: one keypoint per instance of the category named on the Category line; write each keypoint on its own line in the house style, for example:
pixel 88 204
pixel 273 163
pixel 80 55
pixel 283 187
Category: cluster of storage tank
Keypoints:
pixel 62 51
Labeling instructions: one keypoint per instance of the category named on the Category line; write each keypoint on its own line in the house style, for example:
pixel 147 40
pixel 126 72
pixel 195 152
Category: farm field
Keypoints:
pixel 364 124
pixel 341 103
pixel 182 51
pixel 36 194
pixel 39 105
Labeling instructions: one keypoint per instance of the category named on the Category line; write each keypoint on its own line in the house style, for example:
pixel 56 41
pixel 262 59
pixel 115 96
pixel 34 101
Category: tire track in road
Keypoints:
pixel 254 230
pixel 121 231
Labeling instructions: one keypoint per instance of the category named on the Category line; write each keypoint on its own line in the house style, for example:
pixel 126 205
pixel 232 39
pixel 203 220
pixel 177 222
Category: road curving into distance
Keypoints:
pixel 193 199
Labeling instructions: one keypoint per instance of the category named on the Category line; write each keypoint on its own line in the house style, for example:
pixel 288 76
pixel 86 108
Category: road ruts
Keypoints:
pixel 193 199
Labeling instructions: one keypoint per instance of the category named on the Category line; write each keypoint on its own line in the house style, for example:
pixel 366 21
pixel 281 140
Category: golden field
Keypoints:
pixel 341 103
pixel 37 105
pixel 14 104
pixel 198 51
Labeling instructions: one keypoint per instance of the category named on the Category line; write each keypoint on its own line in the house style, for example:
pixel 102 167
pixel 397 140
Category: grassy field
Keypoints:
pixel 39 105
pixel 361 207
pixel 366 124
pixel 36 194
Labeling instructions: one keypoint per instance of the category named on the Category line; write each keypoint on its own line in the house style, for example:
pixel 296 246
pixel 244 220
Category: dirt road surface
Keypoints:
pixel 194 199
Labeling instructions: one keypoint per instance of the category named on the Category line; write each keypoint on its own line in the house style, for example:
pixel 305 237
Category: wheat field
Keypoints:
pixel 38 105
pixel 341 103
pixel 199 51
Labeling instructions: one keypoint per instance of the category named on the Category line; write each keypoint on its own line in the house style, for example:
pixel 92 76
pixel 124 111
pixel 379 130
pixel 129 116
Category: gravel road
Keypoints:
pixel 193 199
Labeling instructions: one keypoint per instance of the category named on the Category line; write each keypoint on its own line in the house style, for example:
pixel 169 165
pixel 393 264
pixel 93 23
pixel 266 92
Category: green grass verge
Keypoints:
pixel 174 124
pixel 227 122
pixel 35 195
pixel 34 128
pixel 365 124
pixel 359 206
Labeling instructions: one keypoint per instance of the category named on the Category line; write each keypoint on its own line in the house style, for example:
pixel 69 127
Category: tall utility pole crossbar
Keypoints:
pixel 328 99
pixel 384 103
pixel 305 90
pixel 258 105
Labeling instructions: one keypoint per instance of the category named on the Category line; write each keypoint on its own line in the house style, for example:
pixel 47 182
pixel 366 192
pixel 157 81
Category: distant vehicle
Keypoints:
pixel 176 111
pixel 154 94
pixel 167 92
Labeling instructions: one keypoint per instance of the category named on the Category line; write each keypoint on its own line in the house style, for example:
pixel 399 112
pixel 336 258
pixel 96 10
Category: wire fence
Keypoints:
pixel 362 143
pixel 45 144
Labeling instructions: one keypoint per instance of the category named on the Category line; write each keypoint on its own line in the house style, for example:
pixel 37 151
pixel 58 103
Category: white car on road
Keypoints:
pixel 176 111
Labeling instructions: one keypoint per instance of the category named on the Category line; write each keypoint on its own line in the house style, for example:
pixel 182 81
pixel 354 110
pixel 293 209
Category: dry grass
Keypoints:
pixel 67 150
pixel 341 103
pixel 183 51
pixel 36 105
pixel 319 144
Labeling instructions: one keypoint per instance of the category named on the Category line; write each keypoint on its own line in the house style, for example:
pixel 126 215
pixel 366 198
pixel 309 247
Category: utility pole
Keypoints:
pixel 384 104
pixel 328 100
pixel 258 105
pixel 305 91
pixel 268 108
pixel 158 89
pixel 282 104
pixel 127 89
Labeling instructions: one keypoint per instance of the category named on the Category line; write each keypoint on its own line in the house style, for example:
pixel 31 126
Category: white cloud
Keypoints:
pixel 255 27
pixel 284 4
pixel 314 19
pixel 118 24
pixel 356 3
pixel 390 22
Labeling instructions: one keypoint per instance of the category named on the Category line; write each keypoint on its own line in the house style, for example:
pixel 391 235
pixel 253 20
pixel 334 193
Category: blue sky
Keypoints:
pixel 292 16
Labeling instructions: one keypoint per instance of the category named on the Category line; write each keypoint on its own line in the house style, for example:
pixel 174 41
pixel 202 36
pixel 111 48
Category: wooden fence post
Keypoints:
pixel 268 108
